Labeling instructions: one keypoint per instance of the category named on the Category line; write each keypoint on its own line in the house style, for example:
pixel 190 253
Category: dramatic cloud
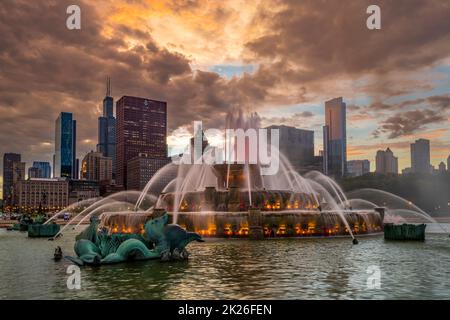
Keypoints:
pixel 312 40
pixel 300 52
pixel 303 120
pixel 441 102
pixel 409 122
pixel 47 69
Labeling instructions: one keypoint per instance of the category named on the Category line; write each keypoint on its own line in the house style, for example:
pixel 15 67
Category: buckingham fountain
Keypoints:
pixel 185 202
pixel 236 201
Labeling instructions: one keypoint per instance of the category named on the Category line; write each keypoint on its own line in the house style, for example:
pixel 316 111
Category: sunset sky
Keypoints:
pixel 282 59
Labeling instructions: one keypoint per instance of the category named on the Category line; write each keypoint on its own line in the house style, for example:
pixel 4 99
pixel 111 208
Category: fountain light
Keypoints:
pixel 189 202
pixel 281 229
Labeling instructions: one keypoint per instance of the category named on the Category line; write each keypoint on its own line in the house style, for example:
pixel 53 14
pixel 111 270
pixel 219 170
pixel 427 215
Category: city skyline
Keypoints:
pixel 203 71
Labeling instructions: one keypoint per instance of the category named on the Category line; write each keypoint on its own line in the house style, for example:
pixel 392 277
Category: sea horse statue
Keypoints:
pixel 161 241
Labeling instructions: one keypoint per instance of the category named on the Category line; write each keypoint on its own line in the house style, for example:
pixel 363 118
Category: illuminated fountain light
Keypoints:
pixel 236 200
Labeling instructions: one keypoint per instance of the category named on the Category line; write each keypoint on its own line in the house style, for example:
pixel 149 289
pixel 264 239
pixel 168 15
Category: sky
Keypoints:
pixel 281 59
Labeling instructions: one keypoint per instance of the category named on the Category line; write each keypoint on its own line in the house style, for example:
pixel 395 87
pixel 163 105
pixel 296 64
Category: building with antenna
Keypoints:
pixel 107 128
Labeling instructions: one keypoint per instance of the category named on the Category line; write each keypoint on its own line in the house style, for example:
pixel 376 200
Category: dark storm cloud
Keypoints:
pixel 46 68
pixel 409 122
pixel 441 102
pixel 406 117
pixel 437 102
pixel 315 40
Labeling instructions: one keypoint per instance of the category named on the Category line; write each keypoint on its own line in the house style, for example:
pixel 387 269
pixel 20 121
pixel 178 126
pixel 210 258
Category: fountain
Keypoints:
pixel 236 200
pixel 246 209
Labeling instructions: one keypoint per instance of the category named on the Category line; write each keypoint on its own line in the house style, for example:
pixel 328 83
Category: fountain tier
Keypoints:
pixel 239 205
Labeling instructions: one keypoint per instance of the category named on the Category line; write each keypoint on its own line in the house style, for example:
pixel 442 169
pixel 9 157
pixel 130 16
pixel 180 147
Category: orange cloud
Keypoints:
pixel 210 32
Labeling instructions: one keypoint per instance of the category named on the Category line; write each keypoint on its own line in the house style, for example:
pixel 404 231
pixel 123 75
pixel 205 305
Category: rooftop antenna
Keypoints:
pixel 108 86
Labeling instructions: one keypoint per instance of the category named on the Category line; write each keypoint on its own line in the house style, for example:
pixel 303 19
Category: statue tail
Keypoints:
pixel 74 260
pixel 195 237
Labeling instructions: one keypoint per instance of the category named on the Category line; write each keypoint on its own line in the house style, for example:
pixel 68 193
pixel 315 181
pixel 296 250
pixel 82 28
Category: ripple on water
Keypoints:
pixel 237 269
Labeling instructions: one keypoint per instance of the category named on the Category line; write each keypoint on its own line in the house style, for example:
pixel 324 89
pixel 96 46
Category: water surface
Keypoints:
pixel 329 268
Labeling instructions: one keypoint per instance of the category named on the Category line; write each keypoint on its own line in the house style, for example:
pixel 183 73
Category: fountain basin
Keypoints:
pixel 43 230
pixel 406 232
pixel 279 224
pixel 257 224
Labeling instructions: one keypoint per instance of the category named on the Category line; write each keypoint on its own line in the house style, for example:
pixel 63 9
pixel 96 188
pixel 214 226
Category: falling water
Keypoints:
pixel 228 174
pixel 396 203
pixel 333 205
pixel 183 179
pixel 168 171
pixel 249 184
pixel 99 203
pixel 73 206
pixel 335 188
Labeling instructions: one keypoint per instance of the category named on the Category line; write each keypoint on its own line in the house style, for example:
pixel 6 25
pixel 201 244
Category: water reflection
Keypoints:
pixel 237 269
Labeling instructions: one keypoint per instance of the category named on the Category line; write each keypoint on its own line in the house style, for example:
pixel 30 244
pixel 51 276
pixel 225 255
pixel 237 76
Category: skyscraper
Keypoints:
pixel 18 171
pixel 18 175
pixel 297 145
pixel 8 171
pixel 107 128
pixel 96 167
pixel 335 138
pixel 34 173
pixel 141 169
pixel 386 162
pixel 420 156
pixel 356 168
pixel 65 147
pixel 40 169
pixel 141 131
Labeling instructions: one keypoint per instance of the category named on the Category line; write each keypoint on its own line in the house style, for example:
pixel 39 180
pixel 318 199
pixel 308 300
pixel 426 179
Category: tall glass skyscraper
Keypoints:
pixel 335 138
pixel 107 128
pixel 65 146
